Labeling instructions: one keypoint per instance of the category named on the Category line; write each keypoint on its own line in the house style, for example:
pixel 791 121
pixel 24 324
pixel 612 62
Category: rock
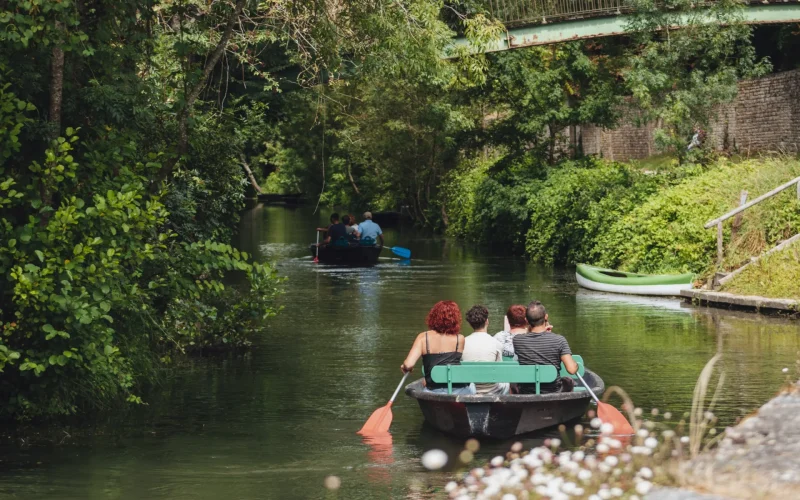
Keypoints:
pixel 760 458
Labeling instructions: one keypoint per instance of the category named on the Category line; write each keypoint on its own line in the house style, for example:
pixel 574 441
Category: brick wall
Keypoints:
pixel 764 117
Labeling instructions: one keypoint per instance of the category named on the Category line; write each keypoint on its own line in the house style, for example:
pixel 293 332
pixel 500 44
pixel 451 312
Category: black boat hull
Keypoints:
pixel 347 256
pixel 501 417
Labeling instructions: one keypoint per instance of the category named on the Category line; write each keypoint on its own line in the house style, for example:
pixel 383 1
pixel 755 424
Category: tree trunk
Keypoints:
pixel 552 153
pixel 352 181
pixel 250 174
pixel 56 100
pixel 56 89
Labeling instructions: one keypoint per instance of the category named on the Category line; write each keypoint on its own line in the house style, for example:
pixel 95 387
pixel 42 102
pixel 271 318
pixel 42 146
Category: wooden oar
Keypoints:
pixel 381 419
pixel 608 413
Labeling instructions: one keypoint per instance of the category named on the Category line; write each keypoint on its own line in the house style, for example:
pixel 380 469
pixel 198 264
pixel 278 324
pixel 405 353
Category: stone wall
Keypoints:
pixel 764 117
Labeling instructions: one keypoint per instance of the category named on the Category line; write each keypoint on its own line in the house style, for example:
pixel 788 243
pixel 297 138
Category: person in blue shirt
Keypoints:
pixel 370 230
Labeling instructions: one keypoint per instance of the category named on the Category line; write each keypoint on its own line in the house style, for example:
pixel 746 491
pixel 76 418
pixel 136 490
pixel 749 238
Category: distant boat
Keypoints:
pixel 354 255
pixel 609 280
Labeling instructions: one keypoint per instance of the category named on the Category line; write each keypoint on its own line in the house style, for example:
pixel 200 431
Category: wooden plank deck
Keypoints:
pixel 734 301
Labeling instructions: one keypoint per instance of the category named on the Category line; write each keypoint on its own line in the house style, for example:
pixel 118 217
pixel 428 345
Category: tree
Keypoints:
pixel 538 92
pixel 685 61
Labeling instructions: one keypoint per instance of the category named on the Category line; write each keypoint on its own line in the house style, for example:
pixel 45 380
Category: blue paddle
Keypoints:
pixel 403 253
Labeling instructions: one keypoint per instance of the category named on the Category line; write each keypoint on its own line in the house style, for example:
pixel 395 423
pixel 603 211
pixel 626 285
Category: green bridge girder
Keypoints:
pixel 598 23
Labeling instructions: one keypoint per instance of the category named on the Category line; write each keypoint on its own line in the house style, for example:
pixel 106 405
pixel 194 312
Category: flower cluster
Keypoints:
pixel 604 467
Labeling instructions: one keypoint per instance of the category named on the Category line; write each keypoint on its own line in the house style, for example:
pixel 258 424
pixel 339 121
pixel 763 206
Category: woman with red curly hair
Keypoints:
pixel 441 344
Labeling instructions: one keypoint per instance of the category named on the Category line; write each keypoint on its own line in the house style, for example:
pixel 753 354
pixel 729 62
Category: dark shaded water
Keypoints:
pixel 275 422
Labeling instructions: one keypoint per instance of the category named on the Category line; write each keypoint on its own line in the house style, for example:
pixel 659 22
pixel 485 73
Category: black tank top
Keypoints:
pixel 443 358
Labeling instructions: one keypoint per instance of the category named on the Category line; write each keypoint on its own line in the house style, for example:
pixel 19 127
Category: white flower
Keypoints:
pixel 604 494
pixel 654 411
pixel 708 415
pixel 451 486
pixel 607 428
pixel 497 461
pixel 625 457
pixel 604 467
pixel 667 415
pixel 785 370
pixel 434 459
pixel 555 443
pixel 637 412
pixel 668 434
pixel 614 443
pixel 584 475
pixel 651 442
pixel 594 497
pixel 616 492
pixel 602 448
pixel 617 472
pixel 642 433
pixel 479 472
pixel 645 472
pixel 596 423
pixel 569 487
pixel 633 497
pixel 641 450
pixel 643 487
pixel 612 460
pixel 509 496
pixel 578 456
pixel 685 439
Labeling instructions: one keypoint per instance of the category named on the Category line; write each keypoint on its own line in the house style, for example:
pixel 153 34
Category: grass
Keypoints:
pixel 776 275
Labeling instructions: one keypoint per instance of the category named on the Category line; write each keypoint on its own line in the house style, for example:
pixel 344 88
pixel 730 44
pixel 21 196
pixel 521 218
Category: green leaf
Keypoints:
pixel 108 350
pixel 40 255
pixel 78 249
pixel 110 252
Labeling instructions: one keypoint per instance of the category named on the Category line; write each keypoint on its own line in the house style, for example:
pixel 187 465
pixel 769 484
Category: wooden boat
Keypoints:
pixel 354 255
pixel 609 280
pixel 502 417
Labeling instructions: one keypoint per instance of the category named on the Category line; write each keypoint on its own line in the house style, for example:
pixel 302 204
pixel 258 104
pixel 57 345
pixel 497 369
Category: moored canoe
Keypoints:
pixel 502 417
pixel 609 280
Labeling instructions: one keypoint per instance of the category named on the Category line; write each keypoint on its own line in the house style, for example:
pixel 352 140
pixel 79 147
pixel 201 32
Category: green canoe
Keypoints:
pixel 609 280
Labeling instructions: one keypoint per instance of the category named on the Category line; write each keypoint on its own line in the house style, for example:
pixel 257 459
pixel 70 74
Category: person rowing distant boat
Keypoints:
pixel 336 230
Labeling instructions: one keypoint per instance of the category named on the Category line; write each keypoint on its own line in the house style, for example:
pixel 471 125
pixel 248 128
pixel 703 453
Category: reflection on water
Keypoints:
pixel 275 422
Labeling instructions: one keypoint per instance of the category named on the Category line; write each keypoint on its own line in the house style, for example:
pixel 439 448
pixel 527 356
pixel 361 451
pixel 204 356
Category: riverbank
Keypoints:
pixel 757 458
pixel 626 216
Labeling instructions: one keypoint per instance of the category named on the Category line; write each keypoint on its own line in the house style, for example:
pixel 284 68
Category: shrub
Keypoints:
pixel 666 234
pixel 577 203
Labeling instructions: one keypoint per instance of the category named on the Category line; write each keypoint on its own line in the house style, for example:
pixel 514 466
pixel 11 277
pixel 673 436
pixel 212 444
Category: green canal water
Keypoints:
pixel 273 423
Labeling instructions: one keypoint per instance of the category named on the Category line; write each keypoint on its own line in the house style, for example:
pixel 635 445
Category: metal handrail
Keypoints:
pixel 744 206
pixel 761 198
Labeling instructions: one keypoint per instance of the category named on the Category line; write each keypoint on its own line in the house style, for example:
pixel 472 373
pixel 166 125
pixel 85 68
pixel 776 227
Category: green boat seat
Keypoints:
pixel 578 359
pixel 493 373
pixel 483 372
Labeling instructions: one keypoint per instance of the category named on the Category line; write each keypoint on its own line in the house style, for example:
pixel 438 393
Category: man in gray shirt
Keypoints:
pixel 543 347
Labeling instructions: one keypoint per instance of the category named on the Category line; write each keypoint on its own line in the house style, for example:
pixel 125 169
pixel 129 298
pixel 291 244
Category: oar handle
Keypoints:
pixel 587 387
pixel 398 387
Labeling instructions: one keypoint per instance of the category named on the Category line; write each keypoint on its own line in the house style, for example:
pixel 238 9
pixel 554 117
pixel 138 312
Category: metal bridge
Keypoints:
pixel 543 22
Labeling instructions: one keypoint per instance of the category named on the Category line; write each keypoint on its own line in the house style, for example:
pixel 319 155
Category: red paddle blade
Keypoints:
pixel 611 415
pixel 379 421
pixel 316 260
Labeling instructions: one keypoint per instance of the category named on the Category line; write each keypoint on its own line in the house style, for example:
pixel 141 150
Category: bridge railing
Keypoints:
pixel 515 12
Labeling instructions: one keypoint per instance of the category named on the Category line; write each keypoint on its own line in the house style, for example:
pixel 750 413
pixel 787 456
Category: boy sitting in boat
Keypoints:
pixel 543 347
pixel 480 346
